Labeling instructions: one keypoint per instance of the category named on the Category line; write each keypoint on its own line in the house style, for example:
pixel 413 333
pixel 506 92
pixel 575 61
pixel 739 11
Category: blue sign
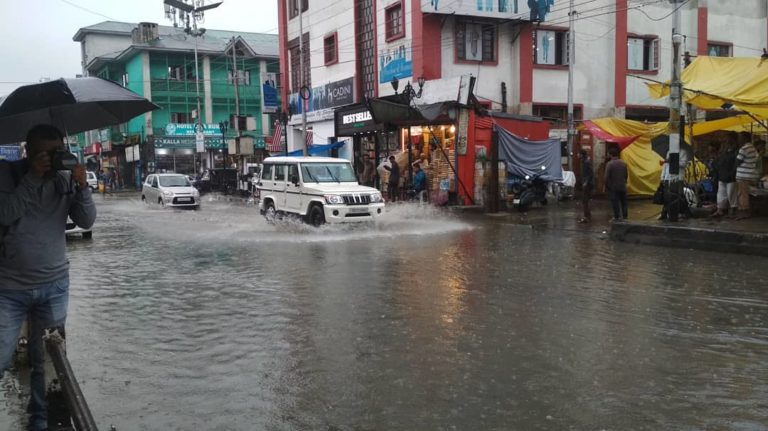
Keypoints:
pixel 186 129
pixel 269 93
pixel 10 153
pixel 395 63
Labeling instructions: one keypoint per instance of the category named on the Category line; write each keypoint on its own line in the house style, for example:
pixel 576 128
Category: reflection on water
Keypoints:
pixel 217 320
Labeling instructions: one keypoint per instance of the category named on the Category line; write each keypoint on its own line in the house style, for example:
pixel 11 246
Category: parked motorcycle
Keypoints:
pixel 530 190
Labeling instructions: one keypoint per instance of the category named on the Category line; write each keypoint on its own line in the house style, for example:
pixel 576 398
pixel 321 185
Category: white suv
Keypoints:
pixel 319 189
pixel 173 190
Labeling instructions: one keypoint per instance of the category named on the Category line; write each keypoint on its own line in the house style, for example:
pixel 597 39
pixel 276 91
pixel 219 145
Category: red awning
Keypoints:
pixel 622 141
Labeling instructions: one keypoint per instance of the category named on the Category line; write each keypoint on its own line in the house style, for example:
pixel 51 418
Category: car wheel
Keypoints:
pixel 87 235
pixel 316 216
pixel 269 212
pixel 196 207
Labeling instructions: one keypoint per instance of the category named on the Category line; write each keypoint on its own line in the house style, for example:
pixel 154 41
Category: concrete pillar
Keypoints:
pixel 207 97
pixel 147 83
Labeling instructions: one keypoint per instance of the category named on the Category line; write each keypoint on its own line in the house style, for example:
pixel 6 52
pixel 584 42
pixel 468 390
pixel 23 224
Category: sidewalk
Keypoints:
pixel 748 236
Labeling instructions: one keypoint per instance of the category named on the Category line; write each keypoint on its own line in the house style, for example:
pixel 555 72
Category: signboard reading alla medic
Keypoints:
pixel 523 10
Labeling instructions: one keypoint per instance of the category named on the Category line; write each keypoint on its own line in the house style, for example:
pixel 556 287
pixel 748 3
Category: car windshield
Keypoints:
pixel 174 181
pixel 328 173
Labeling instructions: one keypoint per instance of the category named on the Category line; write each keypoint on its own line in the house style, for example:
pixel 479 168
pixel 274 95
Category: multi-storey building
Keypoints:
pixel 237 73
pixel 516 49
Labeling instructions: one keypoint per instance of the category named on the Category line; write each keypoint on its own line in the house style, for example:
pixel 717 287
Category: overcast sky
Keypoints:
pixel 36 35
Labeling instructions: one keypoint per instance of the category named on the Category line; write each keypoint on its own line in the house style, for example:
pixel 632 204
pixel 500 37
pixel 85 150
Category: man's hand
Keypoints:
pixel 78 174
pixel 40 164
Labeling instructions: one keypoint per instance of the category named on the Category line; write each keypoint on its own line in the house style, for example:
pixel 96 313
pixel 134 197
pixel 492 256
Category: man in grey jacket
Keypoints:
pixel 35 200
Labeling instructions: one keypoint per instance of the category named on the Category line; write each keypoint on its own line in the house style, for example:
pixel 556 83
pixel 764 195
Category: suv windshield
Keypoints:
pixel 174 181
pixel 328 173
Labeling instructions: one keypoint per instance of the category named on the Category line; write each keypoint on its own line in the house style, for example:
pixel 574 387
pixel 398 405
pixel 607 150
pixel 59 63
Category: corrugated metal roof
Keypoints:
pixel 172 38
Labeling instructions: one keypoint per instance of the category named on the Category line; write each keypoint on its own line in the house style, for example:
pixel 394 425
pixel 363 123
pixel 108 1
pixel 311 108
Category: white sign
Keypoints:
pixel 523 10
pixel 357 117
pixel 454 89
pixel 200 142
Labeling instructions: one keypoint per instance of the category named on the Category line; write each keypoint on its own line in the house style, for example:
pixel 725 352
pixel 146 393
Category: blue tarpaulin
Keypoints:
pixel 317 149
pixel 524 157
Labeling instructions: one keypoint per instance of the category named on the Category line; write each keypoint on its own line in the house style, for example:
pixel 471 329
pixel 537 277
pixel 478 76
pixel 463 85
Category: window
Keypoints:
pixel 266 173
pixel 293 7
pixel 475 41
pixel 243 78
pixel 293 173
pixel 551 47
pixel 715 49
pixel 279 172
pixel 175 73
pixel 293 48
pixel 125 80
pixel 330 49
pixel 643 53
pixel 556 114
pixel 181 117
pixel 395 21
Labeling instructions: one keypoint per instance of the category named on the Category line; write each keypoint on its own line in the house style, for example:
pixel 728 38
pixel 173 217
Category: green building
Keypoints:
pixel 237 74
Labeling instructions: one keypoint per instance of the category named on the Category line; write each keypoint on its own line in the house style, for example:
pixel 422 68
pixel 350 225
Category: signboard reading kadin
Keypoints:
pixel 523 10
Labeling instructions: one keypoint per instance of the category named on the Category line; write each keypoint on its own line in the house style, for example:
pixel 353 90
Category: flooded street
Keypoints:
pixel 216 320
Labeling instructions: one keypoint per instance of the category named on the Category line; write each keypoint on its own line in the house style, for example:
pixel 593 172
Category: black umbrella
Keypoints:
pixel 73 105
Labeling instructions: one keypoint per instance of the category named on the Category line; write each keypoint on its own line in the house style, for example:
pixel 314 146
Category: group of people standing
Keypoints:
pixel 736 172
pixel 615 180
pixel 366 172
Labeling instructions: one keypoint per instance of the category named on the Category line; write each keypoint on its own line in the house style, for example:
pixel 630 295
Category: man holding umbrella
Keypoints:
pixel 37 195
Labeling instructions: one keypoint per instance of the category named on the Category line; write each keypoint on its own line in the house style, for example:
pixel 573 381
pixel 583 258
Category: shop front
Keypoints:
pixel 369 141
pixel 179 153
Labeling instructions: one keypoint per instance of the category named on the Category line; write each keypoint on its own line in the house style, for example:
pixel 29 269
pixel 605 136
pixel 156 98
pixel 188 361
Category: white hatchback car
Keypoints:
pixel 318 189
pixel 170 190
pixel 93 181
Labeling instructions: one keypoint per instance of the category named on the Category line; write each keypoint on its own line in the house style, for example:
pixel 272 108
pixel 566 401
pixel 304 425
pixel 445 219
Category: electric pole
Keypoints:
pixel 304 102
pixel 571 61
pixel 674 188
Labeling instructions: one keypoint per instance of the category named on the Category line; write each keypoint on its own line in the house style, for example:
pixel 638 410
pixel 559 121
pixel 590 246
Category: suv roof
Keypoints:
pixel 288 159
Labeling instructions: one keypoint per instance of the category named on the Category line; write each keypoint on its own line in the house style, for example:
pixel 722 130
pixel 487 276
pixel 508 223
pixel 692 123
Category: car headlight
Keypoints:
pixel 334 199
pixel 376 198
pixel 167 193
pixel 195 192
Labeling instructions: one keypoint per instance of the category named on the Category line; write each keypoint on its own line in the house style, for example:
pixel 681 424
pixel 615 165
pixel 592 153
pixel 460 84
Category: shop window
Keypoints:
pixel 181 117
pixel 293 7
pixel 295 52
pixel 557 115
pixel 395 21
pixel 331 49
pixel 551 47
pixel 643 53
pixel 475 41
pixel 243 78
pixel 715 49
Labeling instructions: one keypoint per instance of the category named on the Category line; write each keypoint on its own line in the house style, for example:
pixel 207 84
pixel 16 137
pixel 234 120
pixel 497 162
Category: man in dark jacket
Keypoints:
pixel 35 201
pixel 394 179
pixel 725 167
pixel 616 184
pixel 587 184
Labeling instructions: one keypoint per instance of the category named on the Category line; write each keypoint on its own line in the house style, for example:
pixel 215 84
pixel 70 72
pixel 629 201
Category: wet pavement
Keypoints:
pixel 429 319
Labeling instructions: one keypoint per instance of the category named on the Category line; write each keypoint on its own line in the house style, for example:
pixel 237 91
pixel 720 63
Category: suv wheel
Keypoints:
pixel 316 216
pixel 269 212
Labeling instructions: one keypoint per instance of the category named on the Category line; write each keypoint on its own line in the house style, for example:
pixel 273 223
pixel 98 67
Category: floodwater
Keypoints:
pixel 216 320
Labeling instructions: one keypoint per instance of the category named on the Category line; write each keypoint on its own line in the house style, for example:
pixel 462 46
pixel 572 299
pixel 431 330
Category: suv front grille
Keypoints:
pixel 357 199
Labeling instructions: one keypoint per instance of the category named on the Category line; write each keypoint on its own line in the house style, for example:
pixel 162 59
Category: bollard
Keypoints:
pixel 81 414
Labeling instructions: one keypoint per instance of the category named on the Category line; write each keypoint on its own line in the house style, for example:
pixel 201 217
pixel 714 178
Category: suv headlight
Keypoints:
pixel 167 193
pixel 195 192
pixel 376 198
pixel 334 199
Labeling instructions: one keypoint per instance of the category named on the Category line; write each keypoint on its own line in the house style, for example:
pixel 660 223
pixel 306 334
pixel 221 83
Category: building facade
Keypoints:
pixel 237 75
pixel 517 50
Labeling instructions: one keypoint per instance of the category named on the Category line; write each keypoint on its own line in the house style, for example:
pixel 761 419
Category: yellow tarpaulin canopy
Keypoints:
pixel 643 163
pixel 710 82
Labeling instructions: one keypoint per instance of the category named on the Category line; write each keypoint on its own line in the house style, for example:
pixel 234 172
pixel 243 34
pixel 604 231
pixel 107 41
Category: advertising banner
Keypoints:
pixel 523 10
pixel 327 96
pixel 269 94
pixel 395 62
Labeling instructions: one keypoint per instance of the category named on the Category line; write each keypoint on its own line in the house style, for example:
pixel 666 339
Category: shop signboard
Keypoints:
pixel 462 132
pixel 10 153
pixel 185 129
pixel 211 142
pixel 353 119
pixel 522 10
pixel 395 62
pixel 328 96
pixel 132 153
pixel 269 103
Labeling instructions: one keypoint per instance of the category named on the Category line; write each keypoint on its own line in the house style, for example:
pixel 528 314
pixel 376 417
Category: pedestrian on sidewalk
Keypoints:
pixel 725 170
pixel 587 184
pixel 747 174
pixel 35 201
pixel 616 175
pixel 393 186
pixel 420 183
